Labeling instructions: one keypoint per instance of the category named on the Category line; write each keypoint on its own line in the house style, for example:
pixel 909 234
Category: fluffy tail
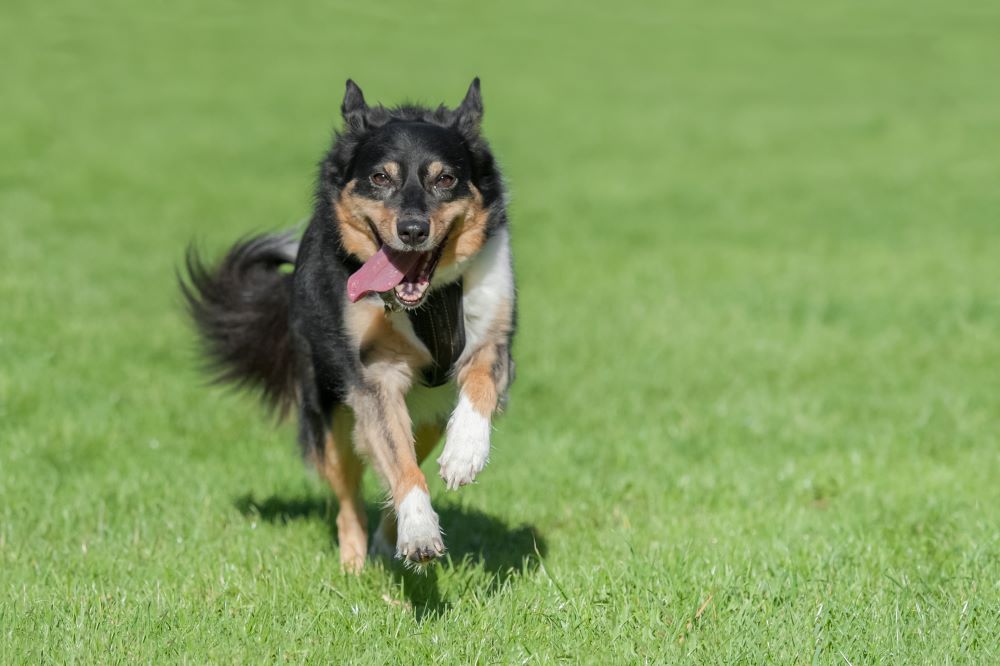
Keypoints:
pixel 240 308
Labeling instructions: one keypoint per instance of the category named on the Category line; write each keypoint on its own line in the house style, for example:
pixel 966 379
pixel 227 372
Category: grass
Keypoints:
pixel 758 403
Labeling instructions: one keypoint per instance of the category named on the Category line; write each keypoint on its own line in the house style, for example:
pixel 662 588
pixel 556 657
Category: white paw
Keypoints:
pixel 418 537
pixel 467 448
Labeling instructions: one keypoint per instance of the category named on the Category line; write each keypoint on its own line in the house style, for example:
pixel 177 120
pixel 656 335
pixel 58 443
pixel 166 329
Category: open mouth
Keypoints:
pixel 404 275
pixel 410 292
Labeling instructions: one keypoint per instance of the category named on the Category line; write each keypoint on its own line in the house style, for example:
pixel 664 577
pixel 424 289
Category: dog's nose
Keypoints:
pixel 413 232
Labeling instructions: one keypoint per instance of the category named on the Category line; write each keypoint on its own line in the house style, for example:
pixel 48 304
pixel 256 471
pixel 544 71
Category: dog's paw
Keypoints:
pixel 418 537
pixel 461 462
pixel 467 448
pixel 352 562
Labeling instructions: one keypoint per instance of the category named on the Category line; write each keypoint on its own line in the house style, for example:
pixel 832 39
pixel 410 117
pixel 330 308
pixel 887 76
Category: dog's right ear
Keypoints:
pixel 354 108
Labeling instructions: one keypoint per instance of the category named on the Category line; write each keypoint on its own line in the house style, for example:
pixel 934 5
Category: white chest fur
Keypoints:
pixel 488 286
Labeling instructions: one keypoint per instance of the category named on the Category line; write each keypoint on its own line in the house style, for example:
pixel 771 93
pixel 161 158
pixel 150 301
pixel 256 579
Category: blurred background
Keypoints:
pixel 758 396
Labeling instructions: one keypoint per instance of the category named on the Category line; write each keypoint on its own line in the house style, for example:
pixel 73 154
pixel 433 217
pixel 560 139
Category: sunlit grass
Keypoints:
pixel 758 400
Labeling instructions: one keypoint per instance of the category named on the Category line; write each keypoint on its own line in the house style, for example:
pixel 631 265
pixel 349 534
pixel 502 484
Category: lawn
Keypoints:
pixel 757 414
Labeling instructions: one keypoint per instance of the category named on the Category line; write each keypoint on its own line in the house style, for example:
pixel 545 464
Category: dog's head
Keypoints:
pixel 412 193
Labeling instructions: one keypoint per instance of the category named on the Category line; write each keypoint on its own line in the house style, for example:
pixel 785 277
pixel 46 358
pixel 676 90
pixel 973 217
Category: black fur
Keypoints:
pixel 284 334
pixel 241 311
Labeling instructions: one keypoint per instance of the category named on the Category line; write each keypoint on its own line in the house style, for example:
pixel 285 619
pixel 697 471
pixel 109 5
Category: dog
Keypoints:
pixel 388 324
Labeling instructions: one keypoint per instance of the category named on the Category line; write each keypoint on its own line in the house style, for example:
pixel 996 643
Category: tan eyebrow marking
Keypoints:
pixel 392 168
pixel 434 169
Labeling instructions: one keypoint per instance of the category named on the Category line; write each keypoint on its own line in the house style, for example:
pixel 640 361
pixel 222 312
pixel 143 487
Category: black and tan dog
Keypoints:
pixel 398 312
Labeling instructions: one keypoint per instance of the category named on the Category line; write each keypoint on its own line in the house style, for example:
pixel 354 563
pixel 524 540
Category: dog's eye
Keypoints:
pixel 380 179
pixel 444 181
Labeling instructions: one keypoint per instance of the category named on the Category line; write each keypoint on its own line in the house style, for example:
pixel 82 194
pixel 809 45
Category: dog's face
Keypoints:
pixel 410 199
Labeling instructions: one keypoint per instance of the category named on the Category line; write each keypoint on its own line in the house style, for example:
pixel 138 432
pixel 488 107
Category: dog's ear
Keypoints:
pixel 469 113
pixel 354 108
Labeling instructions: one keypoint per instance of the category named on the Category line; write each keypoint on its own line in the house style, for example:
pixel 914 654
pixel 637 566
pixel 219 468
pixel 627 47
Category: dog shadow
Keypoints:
pixel 475 539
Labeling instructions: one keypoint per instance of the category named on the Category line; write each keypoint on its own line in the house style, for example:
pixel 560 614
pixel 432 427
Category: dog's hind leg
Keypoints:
pixel 342 468
pixel 426 437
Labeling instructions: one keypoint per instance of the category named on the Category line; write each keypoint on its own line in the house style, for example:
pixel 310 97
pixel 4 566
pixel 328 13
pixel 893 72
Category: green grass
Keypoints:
pixel 758 403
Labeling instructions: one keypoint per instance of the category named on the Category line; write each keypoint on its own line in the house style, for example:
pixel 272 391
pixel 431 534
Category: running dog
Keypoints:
pixel 388 324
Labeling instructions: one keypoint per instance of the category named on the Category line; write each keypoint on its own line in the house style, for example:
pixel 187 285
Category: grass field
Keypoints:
pixel 758 403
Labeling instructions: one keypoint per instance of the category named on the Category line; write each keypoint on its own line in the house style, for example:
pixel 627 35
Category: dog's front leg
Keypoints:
pixel 483 380
pixel 384 434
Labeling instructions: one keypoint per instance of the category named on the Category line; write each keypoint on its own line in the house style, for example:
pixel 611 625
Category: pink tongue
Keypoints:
pixel 382 272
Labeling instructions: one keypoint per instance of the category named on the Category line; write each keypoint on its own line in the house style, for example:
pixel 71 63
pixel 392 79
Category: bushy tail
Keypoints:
pixel 240 308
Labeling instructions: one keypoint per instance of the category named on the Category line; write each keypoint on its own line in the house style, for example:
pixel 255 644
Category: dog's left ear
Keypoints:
pixel 469 113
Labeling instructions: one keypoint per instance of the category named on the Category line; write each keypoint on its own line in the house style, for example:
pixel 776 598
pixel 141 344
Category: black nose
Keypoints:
pixel 413 232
